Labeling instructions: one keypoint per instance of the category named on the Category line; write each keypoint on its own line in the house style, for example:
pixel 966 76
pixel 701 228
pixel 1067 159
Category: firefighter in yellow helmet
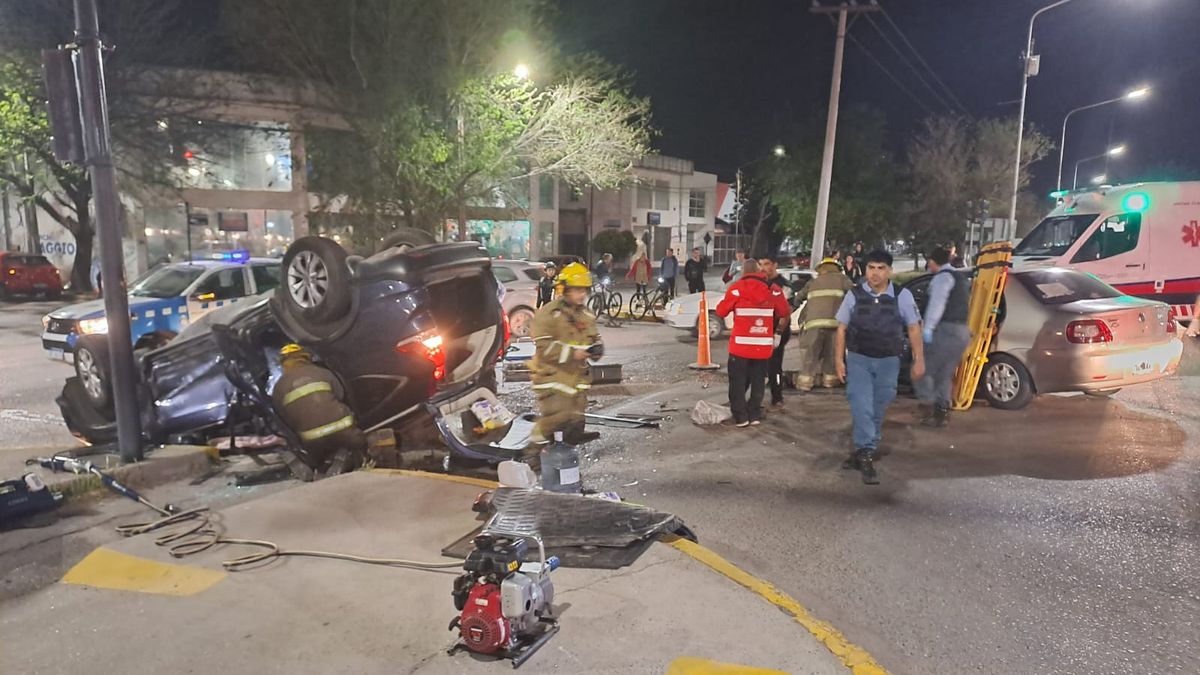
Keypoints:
pixel 818 324
pixel 309 399
pixel 566 335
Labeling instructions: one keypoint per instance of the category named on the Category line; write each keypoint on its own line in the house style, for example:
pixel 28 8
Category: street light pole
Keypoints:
pixel 1062 144
pixel 1025 67
pixel 1111 152
pixel 93 109
pixel 835 90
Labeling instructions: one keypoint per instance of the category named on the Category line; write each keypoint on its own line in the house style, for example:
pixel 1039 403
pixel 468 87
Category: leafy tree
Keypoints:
pixel 953 162
pixel 432 119
pixel 620 243
pixel 865 189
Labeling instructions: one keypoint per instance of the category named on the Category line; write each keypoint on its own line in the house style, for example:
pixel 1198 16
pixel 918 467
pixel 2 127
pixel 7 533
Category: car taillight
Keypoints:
pixel 429 347
pixel 1090 331
pixel 12 271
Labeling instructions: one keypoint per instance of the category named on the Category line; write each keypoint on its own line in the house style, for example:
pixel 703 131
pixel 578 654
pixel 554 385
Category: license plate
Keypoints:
pixel 58 354
pixel 1143 369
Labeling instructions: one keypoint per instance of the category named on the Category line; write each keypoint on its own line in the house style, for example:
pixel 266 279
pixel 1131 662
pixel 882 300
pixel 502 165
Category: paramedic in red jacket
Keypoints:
pixel 758 310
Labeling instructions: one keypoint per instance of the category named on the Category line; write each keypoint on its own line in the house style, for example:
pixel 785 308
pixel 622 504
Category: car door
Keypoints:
pixel 1116 251
pixel 217 288
pixel 267 277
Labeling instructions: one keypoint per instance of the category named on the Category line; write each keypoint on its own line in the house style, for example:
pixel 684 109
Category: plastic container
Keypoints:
pixel 560 467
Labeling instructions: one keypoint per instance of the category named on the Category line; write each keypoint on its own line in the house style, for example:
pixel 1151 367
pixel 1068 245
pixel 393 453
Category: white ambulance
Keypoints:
pixel 1143 239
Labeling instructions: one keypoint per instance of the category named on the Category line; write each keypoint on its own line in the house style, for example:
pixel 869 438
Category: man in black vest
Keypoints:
pixel 872 322
pixel 945 334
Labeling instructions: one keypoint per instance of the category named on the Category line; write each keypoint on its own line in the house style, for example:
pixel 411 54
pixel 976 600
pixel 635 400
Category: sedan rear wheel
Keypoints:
pixel 1006 383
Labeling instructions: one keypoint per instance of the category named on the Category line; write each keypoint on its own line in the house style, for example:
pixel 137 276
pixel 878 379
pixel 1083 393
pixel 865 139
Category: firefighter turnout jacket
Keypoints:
pixel 309 399
pixel 824 295
pixel 561 330
pixel 757 308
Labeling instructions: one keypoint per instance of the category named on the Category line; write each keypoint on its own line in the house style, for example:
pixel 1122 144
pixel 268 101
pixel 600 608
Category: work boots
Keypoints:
pixel 805 382
pixel 830 381
pixel 938 419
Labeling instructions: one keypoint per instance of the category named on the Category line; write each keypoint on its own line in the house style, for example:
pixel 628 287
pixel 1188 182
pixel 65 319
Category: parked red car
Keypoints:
pixel 28 275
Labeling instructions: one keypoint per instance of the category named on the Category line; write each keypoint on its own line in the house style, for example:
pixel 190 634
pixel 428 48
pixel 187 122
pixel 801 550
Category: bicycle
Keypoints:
pixel 605 302
pixel 643 302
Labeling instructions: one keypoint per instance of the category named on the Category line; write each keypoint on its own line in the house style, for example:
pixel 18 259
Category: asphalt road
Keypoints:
pixel 29 381
pixel 1064 538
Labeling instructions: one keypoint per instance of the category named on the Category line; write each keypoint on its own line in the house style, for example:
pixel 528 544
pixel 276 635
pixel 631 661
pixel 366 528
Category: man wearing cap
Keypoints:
pixel 818 324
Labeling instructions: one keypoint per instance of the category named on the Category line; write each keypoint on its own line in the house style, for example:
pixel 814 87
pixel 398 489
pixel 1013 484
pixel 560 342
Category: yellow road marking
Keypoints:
pixel 686 665
pixel 465 480
pixel 851 655
pixel 105 568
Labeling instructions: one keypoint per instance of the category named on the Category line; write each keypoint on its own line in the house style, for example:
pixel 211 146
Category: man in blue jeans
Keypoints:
pixel 872 322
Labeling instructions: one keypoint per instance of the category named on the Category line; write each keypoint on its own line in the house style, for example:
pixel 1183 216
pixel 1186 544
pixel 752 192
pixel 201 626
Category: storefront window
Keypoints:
pixel 502 238
pixel 253 156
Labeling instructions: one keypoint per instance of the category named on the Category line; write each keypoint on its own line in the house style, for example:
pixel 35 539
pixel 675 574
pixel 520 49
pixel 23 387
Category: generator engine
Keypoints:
pixel 504 601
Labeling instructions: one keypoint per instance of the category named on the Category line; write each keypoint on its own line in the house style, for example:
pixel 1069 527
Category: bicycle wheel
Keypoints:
pixel 614 304
pixel 639 304
pixel 595 304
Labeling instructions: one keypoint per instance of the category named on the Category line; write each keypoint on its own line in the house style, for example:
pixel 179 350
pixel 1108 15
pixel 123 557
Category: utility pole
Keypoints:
pixel 843 11
pixel 98 159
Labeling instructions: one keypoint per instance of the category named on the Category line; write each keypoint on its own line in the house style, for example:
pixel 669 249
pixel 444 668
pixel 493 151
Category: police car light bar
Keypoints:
pixel 237 256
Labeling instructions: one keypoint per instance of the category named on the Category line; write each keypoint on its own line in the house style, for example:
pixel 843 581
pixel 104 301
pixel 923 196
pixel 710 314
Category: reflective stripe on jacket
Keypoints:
pixel 756 307
pixel 824 295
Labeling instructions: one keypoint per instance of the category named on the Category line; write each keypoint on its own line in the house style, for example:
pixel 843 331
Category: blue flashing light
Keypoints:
pixel 237 256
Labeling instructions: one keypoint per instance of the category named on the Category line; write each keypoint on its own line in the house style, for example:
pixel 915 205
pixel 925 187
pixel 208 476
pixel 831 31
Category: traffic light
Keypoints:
pixel 58 69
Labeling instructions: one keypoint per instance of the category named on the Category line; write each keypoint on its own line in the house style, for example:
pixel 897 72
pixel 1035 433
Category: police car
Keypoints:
pixel 165 300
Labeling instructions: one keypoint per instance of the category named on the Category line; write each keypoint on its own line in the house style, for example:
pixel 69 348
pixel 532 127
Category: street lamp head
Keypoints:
pixel 1116 151
pixel 1135 94
pixel 521 71
pixel 779 151
pixel 1096 180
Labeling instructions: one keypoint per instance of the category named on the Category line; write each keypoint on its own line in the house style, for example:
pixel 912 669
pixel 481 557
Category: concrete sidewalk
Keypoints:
pixel 323 616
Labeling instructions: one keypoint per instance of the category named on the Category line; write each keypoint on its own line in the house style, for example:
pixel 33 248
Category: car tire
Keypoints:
pixel 316 283
pixel 405 238
pixel 520 322
pixel 716 327
pixel 1007 384
pixel 94 371
pixel 54 295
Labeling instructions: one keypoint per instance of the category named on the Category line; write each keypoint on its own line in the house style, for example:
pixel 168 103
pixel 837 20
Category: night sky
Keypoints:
pixel 724 77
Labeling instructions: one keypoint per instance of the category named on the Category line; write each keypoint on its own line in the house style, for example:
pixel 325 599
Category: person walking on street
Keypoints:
pixel 757 308
pixel 853 268
pixel 946 336
pixel 546 286
pixel 641 269
pixel 769 267
pixel 669 270
pixel 872 322
pixel 566 336
pixel 694 270
pixel 818 325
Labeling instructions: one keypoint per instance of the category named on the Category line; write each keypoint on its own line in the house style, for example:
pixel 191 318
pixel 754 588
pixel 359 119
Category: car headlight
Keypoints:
pixel 46 322
pixel 93 326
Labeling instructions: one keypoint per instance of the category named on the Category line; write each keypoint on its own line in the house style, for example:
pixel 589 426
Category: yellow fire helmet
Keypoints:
pixel 830 261
pixel 293 350
pixel 575 275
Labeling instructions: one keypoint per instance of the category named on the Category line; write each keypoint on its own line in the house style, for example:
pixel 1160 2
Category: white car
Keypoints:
pixel 520 280
pixel 684 312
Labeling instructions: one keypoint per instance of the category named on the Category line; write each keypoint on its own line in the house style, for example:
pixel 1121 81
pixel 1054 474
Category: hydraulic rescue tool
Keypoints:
pixel 504 602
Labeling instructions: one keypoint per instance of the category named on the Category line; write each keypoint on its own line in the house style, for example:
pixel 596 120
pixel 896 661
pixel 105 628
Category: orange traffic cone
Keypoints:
pixel 703 355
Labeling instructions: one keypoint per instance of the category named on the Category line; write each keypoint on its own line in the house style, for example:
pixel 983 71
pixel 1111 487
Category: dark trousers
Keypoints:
pixel 743 373
pixel 775 371
pixel 695 285
pixel 669 282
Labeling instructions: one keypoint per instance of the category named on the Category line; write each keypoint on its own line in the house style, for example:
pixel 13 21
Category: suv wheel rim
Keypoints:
pixel 89 373
pixel 1003 382
pixel 308 280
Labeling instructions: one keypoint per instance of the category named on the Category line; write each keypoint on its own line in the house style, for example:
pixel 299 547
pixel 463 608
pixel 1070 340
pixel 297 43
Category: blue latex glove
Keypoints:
pixel 928 335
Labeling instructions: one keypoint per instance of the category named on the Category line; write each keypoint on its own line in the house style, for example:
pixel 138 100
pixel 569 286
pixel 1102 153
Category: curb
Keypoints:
pixel 855 658
pixel 170 463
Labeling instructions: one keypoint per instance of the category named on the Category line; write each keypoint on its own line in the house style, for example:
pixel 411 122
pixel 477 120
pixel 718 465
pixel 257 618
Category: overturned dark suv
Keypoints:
pixel 411 332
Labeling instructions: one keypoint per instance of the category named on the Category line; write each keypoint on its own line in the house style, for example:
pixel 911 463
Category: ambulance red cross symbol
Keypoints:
pixel 1191 233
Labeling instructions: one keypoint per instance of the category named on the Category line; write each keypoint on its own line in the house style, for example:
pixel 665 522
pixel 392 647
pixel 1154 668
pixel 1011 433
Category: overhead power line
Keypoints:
pixel 922 60
pixel 921 102
pixel 938 96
